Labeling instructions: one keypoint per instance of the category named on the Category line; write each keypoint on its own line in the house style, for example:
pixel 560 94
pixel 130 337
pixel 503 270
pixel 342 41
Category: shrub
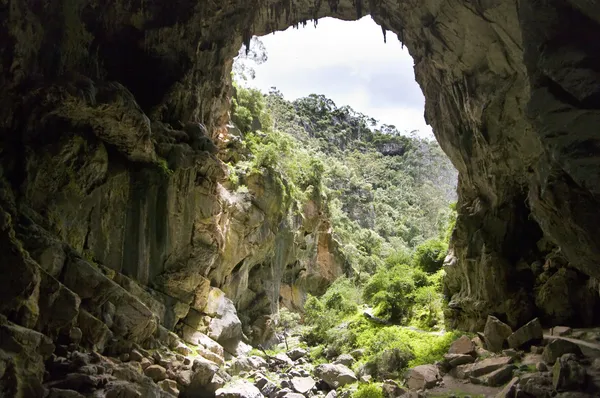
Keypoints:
pixel 368 391
pixel 429 255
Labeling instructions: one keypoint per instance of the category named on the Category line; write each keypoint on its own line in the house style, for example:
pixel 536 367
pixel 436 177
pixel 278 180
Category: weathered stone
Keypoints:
pixel 557 348
pixel 283 358
pixel 238 389
pixel 455 360
pixel 211 356
pixel 297 353
pixel 496 333
pixel 561 331
pixel 530 333
pixel 156 372
pixel 391 389
pixel 422 377
pixel 335 375
pixel 225 325
pixel 22 355
pixel 496 378
pixel 169 386
pixel 60 393
pixel 537 385
pixel 266 386
pixel 568 374
pixel 302 385
pixel 488 365
pixel 345 359
pixel 508 390
pixel 247 364
pixel 463 346
pixel 135 355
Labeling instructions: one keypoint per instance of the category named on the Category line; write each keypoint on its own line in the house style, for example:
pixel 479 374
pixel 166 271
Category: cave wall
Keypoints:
pixel 103 150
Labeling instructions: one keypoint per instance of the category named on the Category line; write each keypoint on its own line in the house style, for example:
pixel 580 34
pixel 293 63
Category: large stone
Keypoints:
pixel 557 348
pixel 496 332
pixel 156 372
pixel 335 375
pixel 345 359
pixel 22 355
pixel 297 353
pixel 532 332
pixel 239 389
pixel 423 377
pixel 463 346
pixel 488 365
pixel 225 324
pixel 302 385
pixel 455 360
pixel 496 378
pixel 568 374
pixel 247 364
pixel 94 332
pixel 537 385
pixel 508 390
pixel 391 389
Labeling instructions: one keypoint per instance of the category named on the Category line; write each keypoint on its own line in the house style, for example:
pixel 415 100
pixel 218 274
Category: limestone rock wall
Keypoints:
pixel 107 175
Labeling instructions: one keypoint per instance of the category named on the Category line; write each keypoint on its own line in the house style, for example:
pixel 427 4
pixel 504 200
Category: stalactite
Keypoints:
pixel 384 33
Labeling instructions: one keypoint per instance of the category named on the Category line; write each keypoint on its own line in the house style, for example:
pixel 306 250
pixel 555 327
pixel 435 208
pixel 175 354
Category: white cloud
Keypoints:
pixel 349 63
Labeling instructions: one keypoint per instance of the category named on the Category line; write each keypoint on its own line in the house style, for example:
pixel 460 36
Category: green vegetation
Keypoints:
pixel 368 391
pixel 389 198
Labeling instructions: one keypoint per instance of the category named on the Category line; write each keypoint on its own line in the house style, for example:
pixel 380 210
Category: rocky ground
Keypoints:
pixel 497 363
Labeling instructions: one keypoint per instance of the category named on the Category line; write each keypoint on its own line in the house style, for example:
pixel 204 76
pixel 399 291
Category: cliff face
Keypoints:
pixel 107 172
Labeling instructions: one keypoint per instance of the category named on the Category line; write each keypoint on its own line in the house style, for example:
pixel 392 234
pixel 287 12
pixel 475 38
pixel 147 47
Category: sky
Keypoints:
pixel 349 63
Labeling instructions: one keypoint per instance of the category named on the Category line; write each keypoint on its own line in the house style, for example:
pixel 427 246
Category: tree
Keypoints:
pixel 254 53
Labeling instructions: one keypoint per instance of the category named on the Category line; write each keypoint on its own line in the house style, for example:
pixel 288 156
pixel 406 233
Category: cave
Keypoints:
pixel 102 190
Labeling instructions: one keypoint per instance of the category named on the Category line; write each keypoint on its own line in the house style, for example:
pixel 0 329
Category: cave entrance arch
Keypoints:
pixel 511 92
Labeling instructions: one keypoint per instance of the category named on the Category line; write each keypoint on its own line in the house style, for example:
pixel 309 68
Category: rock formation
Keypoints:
pixel 113 212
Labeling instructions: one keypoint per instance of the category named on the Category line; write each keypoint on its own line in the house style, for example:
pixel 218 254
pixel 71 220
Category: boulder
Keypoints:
pixel 557 348
pixel 302 385
pixel 156 373
pixel 211 356
pixel 95 333
pixel 238 389
pixel 195 337
pixel 455 360
pixel 345 359
pixel 509 389
pixel 529 333
pixel 488 365
pixel 297 353
pixel 225 324
pixel 391 389
pixel 247 364
pixel 538 385
pixel 61 393
pixel 169 386
pixel 496 333
pixel 422 377
pixel 335 375
pixel 266 386
pixel 568 374
pixel 560 331
pixel 496 378
pixel 462 346
pixel 281 357
pixel 22 355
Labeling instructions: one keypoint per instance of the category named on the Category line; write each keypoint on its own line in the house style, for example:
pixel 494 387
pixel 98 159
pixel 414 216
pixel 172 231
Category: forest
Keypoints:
pixel 390 197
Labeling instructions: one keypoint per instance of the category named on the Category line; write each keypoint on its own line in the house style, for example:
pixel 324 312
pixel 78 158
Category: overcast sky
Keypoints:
pixel 349 63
